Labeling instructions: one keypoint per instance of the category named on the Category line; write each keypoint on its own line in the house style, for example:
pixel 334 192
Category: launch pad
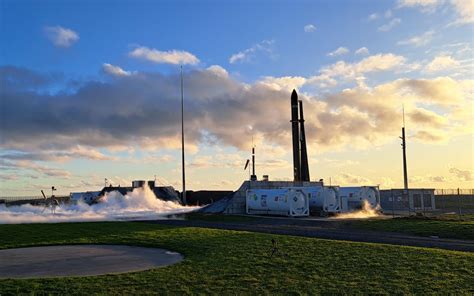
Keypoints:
pixel 81 260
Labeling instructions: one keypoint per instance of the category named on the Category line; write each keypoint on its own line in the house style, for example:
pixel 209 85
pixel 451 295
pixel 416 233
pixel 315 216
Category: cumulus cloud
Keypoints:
pixel 441 63
pixel 390 25
pixel 426 6
pixel 374 63
pixel 465 10
pixel 419 40
pixel 175 57
pixel 115 70
pixel 373 17
pixel 339 51
pixel 62 37
pixel 283 83
pixel 309 28
pixel 350 179
pixel 425 117
pixel 35 167
pixel 219 109
pixel 463 175
pixel 218 70
pixel 246 55
pixel 362 51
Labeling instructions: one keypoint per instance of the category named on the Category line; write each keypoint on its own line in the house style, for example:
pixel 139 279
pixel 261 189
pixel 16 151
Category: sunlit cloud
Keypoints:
pixel 339 51
pixel 60 36
pixel 246 55
pixel 175 57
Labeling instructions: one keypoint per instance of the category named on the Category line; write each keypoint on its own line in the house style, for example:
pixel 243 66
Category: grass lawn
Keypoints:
pixel 446 226
pixel 195 216
pixel 226 262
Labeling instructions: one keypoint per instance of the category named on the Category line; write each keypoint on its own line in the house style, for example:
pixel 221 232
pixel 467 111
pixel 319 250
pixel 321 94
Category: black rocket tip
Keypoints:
pixel 294 95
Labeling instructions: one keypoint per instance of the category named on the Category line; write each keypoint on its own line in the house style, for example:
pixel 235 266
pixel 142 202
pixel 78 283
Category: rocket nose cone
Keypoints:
pixel 294 96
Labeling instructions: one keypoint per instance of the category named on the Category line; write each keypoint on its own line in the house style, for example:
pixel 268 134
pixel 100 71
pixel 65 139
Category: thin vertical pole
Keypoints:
pixel 182 139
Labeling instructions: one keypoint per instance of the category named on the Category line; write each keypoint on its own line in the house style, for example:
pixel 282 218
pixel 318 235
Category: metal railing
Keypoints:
pixel 457 191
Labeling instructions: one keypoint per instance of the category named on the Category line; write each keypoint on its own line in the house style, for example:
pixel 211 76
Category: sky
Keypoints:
pixel 90 90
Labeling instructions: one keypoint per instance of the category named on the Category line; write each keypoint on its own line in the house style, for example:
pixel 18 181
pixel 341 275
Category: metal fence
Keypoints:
pixel 18 198
pixel 457 191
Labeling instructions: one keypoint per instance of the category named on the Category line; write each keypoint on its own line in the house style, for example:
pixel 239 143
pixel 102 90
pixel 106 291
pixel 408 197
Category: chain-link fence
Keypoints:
pixel 427 201
pixel 457 191
pixel 460 201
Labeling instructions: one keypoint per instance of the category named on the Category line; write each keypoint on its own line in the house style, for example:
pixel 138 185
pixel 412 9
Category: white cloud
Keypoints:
pixel 221 108
pixel 387 27
pixel 60 36
pixel 309 28
pixel 218 70
pixel 175 57
pixel 463 175
pixel 114 70
pixel 340 51
pixel 247 54
pixel 373 17
pixel 465 10
pixel 374 63
pixel 419 40
pixel 283 83
pixel 420 3
pixel 362 51
pixel 388 14
pixel 441 63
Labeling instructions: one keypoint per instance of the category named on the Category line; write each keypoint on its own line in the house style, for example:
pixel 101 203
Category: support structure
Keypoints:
pixel 253 177
pixel 405 174
pixel 182 141
pixel 303 152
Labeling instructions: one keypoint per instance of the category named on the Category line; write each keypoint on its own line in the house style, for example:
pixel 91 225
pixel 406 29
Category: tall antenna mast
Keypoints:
pixel 403 111
pixel 182 139
pixel 253 177
pixel 404 148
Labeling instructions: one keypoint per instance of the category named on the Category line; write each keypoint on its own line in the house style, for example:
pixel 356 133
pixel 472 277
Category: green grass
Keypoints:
pixel 225 262
pixel 445 226
pixel 219 217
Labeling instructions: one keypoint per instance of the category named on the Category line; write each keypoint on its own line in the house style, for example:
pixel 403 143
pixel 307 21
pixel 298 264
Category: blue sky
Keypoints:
pixel 342 56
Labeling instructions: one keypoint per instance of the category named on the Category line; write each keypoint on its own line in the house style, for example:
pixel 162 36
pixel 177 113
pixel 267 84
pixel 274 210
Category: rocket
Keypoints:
pixel 300 156
pixel 295 136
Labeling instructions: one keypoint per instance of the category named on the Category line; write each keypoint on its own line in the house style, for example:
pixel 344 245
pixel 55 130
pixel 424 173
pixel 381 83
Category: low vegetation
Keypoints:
pixel 234 262
pixel 445 226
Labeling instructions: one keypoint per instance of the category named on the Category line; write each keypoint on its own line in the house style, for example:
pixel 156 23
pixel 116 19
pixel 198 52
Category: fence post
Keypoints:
pixel 393 204
pixel 459 203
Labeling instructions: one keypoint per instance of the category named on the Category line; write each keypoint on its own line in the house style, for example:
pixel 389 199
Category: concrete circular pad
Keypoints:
pixel 81 260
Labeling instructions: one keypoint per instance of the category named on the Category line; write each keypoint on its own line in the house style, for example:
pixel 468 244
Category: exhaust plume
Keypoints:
pixel 366 212
pixel 141 204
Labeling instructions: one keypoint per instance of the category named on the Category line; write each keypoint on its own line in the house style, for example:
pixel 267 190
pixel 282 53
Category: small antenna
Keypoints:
pixel 403 112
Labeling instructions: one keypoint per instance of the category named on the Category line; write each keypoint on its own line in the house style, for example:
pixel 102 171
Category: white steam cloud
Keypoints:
pixel 366 212
pixel 141 204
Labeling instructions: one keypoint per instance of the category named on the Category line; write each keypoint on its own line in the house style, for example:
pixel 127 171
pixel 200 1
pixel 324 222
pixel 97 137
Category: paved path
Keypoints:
pixel 81 260
pixel 329 230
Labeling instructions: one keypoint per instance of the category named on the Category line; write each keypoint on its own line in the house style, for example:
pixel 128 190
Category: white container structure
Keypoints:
pixel 282 202
pixel 355 196
pixel 322 199
pixel 87 197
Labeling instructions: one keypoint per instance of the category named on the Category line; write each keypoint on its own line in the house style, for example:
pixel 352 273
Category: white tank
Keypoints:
pixel 325 199
pixel 283 202
pixel 322 198
pixel 356 195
